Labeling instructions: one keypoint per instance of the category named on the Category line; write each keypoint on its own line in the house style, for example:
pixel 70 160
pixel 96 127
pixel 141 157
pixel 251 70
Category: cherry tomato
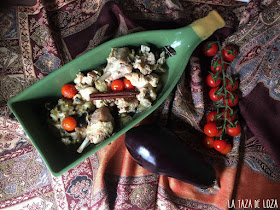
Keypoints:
pixel 128 85
pixel 210 81
pixel 213 96
pixel 117 85
pixel 233 131
pixel 229 52
pixel 230 117
pixel 219 145
pixel 69 123
pixel 210 48
pixel 231 86
pixel 211 116
pixel 231 100
pixel 210 129
pixel 68 91
pixel 208 142
pixel 227 149
pixel 216 66
pixel 219 133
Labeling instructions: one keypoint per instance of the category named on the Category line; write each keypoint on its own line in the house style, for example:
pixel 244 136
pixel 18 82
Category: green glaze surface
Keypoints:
pixel 26 105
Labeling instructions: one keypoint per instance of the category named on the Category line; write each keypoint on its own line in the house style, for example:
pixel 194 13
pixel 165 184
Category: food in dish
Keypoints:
pixel 104 99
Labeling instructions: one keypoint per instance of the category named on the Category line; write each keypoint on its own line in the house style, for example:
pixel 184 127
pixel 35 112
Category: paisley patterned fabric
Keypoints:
pixel 35 41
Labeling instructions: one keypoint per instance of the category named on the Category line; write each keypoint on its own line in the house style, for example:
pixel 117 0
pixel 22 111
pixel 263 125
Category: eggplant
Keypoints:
pixel 162 152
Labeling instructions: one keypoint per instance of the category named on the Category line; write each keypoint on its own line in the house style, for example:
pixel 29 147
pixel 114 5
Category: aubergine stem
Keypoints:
pixel 216 185
pixel 85 143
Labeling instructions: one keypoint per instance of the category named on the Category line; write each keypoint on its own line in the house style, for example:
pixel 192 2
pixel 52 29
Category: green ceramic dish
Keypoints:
pixel 27 105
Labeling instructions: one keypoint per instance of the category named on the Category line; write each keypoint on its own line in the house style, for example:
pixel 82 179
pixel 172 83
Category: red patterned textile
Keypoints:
pixel 35 41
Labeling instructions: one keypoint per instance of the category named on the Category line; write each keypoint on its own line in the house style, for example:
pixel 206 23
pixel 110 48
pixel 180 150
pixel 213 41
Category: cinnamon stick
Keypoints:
pixel 113 95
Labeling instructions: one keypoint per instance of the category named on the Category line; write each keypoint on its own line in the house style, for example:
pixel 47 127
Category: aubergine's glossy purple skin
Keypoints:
pixel 160 151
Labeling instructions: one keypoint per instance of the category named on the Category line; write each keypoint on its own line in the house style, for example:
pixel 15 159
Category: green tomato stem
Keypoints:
pixel 225 92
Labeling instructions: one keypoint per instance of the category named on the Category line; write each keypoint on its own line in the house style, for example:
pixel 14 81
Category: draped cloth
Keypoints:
pixel 37 40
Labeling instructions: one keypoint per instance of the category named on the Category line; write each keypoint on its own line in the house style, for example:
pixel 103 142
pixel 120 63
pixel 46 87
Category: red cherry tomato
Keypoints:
pixel 229 52
pixel 213 96
pixel 69 123
pixel 233 131
pixel 219 133
pixel 216 66
pixel 230 117
pixel 231 86
pixel 211 116
pixel 210 129
pixel 231 100
pixel 208 142
pixel 210 48
pixel 128 85
pixel 68 91
pixel 210 81
pixel 219 145
pixel 227 149
pixel 117 85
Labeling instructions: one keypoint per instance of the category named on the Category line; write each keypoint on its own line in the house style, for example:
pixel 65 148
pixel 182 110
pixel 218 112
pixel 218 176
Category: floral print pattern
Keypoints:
pixel 79 187
pixel 47 63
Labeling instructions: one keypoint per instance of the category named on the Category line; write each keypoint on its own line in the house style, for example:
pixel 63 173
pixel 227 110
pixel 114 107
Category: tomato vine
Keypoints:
pixel 222 123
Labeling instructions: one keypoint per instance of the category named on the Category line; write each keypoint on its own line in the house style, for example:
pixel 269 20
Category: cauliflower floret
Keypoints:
pixel 162 58
pixel 124 118
pixel 66 140
pixel 63 109
pixel 118 64
pixel 99 131
pixel 77 99
pixel 88 80
pixel 98 103
pixel 71 137
pixel 161 66
pixel 93 75
pixel 153 79
pixel 79 78
pixel 126 104
pixel 83 107
pixel 105 102
pixel 146 96
pixel 85 92
pixel 101 86
pixel 83 81
pixel 146 61
pixel 81 132
pixel 139 80
pixel 140 64
pixel 101 125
